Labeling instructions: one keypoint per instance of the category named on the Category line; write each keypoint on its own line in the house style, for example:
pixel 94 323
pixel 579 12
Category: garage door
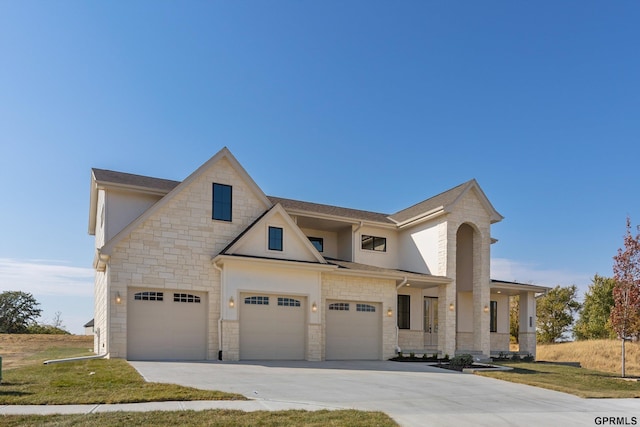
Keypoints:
pixel 166 325
pixel 272 327
pixel 353 330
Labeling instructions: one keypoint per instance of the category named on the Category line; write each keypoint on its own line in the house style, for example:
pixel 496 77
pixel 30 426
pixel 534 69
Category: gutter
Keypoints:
pixel 217 267
pixel 75 359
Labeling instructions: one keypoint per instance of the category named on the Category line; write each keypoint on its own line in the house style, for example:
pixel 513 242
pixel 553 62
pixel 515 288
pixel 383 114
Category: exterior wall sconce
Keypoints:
pixel 232 303
pixel 389 312
pixel 314 307
pixel 486 308
pixel 452 307
pixel 118 298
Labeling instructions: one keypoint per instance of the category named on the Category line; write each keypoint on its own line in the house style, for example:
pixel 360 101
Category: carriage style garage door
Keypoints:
pixel 166 325
pixel 272 327
pixel 353 331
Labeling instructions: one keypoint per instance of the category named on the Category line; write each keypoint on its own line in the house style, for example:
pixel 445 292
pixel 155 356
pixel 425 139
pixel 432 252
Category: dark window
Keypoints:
pixel 222 202
pixel 149 296
pixel 186 298
pixel 493 322
pixel 374 243
pixel 317 242
pixel 288 302
pixel 275 238
pixel 339 306
pixel 366 307
pixel 257 300
pixel 404 311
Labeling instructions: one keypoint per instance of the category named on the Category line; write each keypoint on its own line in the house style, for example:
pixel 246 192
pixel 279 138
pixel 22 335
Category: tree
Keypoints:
pixel 514 318
pixel 594 322
pixel 625 315
pixel 18 311
pixel 555 313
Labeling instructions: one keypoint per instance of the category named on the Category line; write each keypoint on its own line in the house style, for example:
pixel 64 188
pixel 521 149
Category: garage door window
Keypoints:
pixel 339 306
pixel 257 300
pixel 288 302
pixel 186 298
pixel 149 296
pixel 366 307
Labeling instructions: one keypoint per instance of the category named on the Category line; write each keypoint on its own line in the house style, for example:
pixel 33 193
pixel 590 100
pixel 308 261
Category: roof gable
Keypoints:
pixel 444 203
pixel 254 240
pixel 222 155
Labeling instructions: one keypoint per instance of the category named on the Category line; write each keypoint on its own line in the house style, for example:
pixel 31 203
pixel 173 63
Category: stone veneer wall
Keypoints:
pixel 499 342
pixel 350 288
pixel 173 248
pixel 410 340
pixel 100 325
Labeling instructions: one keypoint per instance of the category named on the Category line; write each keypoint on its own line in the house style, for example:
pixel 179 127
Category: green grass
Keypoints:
pixel 225 418
pixel 568 379
pixel 92 381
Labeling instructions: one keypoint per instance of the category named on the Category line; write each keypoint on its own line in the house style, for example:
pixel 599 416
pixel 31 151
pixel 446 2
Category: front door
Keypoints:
pixel 430 322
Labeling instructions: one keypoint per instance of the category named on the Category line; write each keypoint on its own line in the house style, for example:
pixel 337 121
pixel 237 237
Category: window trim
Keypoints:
pixel 374 239
pixel 279 248
pixel 222 203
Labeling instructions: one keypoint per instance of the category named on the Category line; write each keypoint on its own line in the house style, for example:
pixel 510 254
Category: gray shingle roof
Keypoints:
pixel 166 185
pixel 442 199
pixel 123 178
pixel 331 210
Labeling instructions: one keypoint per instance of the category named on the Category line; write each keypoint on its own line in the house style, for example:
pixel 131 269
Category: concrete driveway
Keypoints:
pixel 412 393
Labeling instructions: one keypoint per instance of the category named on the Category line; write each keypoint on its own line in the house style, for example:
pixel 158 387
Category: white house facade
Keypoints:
pixel 212 268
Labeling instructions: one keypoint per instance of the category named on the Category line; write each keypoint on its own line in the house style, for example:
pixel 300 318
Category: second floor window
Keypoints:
pixel 221 202
pixel 317 242
pixel 374 243
pixel 275 238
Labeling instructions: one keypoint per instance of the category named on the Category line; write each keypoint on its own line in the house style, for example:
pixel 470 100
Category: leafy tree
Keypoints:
pixel 555 312
pixel 625 315
pixel 18 311
pixel 594 320
pixel 514 318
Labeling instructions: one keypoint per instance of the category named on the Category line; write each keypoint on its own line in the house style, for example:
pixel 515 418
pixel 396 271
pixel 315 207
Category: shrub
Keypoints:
pixel 460 362
pixel 412 355
pixel 515 357
pixel 424 356
pixel 400 355
pixel 528 358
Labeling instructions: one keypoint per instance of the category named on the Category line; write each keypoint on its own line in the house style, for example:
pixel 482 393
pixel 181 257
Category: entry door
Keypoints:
pixel 430 322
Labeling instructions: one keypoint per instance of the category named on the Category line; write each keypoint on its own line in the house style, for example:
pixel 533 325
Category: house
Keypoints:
pixel 88 328
pixel 212 268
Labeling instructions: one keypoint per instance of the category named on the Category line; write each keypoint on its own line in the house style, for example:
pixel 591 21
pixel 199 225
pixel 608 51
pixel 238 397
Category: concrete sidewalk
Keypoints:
pixel 195 405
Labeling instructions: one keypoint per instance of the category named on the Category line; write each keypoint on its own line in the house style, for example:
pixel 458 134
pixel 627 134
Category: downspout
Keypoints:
pixel 215 265
pixel 404 282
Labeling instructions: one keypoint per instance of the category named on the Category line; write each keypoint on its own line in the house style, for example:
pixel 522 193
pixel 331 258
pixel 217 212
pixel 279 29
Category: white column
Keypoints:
pixel 527 331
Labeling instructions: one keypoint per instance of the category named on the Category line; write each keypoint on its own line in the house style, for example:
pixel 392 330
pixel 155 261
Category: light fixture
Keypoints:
pixel 314 307
pixel 389 312
pixel 451 307
pixel 118 298
pixel 232 303
pixel 486 308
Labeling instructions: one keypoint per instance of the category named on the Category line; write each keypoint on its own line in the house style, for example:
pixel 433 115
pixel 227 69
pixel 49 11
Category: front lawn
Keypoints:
pixel 219 417
pixel 568 379
pixel 92 381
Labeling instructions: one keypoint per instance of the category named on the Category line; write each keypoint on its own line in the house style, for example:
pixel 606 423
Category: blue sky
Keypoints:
pixel 374 105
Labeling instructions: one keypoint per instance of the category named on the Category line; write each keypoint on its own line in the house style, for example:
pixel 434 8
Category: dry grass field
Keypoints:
pixel 599 355
pixel 19 350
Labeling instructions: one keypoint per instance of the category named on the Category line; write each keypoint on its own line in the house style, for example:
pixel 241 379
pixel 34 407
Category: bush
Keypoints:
pixel 460 362
pixel 528 358
pixel 515 357
pixel 46 329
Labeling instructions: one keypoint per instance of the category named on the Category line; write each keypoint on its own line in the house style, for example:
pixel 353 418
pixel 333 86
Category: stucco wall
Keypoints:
pixel 388 259
pixel 101 328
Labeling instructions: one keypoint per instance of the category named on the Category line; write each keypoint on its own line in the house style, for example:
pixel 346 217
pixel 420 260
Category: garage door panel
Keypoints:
pixel 353 330
pixel 272 327
pixel 166 325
